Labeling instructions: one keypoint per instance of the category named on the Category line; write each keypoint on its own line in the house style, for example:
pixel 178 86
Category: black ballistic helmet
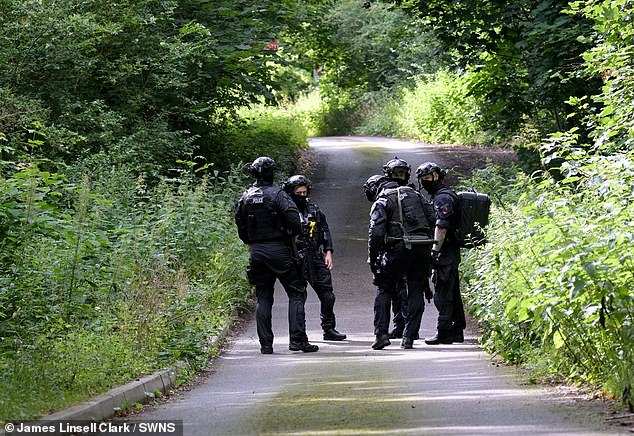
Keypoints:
pixel 295 181
pixel 428 168
pixel 372 185
pixel 397 165
pixel 263 168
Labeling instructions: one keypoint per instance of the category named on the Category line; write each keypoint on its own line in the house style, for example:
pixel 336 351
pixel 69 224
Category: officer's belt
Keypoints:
pixel 410 240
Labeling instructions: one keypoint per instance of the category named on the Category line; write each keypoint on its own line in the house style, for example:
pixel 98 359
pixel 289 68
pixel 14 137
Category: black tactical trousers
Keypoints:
pixel 398 262
pixel 318 276
pixel 448 300
pixel 399 306
pixel 267 262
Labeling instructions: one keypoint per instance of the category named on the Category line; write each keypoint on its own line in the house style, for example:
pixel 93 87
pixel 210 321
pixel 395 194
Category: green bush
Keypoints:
pixel 380 114
pixel 553 287
pixel 338 113
pixel 438 109
pixel 318 117
pixel 103 279
pixel 268 131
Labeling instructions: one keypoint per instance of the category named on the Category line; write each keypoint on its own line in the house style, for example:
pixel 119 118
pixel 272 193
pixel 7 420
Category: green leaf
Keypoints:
pixel 558 340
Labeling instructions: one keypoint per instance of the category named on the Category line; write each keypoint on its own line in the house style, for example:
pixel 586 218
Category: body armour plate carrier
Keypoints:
pixel 312 234
pixel 262 218
pixel 409 219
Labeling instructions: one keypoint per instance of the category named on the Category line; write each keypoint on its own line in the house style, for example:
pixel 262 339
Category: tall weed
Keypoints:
pixel 269 131
pixel 436 109
pixel 105 279
pixel 553 287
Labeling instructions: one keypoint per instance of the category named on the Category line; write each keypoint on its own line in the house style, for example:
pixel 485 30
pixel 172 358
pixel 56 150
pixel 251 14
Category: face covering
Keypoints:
pixel 300 200
pixel 430 186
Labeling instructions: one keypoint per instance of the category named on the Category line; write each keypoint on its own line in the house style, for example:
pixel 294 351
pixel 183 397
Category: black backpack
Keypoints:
pixel 474 208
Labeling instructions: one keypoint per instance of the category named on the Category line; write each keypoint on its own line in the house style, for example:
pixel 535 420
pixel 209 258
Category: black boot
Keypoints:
pixel 439 339
pixel 396 333
pixel 407 343
pixel 266 349
pixel 306 347
pixel 457 335
pixel 381 342
pixel 333 335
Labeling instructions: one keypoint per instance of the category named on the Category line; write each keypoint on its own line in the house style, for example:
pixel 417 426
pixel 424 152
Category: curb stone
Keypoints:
pixel 106 405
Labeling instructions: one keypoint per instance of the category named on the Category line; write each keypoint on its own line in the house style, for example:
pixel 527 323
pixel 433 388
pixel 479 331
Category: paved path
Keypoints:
pixel 347 388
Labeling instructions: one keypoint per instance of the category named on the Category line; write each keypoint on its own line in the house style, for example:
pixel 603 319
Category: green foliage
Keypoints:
pixel 528 55
pixel 611 58
pixel 502 182
pixel 149 82
pixel 339 113
pixel 98 269
pixel 441 111
pixel 553 288
pixel 58 373
pixel 360 50
pixel 266 131
pixel 438 109
pixel 308 109
pixel 381 46
pixel 382 113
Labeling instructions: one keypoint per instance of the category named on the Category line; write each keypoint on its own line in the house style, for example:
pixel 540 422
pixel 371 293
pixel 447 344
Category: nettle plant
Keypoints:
pixel 553 288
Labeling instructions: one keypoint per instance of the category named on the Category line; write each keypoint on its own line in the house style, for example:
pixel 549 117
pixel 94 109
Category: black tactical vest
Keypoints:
pixel 408 214
pixel 312 228
pixel 262 219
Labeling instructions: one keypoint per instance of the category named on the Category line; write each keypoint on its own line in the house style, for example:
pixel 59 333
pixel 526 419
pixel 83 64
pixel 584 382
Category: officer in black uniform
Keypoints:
pixel 399 299
pixel 267 221
pixel 445 256
pixel 315 249
pixel 398 210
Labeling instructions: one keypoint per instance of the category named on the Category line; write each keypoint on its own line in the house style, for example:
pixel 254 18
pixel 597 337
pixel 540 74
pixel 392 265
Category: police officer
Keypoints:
pixel 445 256
pixel 399 212
pixel 267 220
pixel 399 300
pixel 315 249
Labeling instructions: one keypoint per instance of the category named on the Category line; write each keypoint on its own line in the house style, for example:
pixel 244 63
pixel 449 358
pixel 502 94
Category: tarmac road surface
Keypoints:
pixel 347 388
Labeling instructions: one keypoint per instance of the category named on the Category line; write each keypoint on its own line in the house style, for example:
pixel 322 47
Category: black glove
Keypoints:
pixel 428 293
pixel 251 275
pixel 375 267
pixel 378 279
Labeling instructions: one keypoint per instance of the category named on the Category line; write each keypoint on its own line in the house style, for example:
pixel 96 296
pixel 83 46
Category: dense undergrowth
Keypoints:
pixel 553 288
pixel 436 109
pixel 106 274
pixel 104 279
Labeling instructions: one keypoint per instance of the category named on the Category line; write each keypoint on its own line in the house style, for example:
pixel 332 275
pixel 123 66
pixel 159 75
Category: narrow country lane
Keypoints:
pixel 347 388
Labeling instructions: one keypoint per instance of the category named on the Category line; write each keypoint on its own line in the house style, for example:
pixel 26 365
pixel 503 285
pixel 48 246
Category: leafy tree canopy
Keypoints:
pixel 530 53
pixel 145 80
